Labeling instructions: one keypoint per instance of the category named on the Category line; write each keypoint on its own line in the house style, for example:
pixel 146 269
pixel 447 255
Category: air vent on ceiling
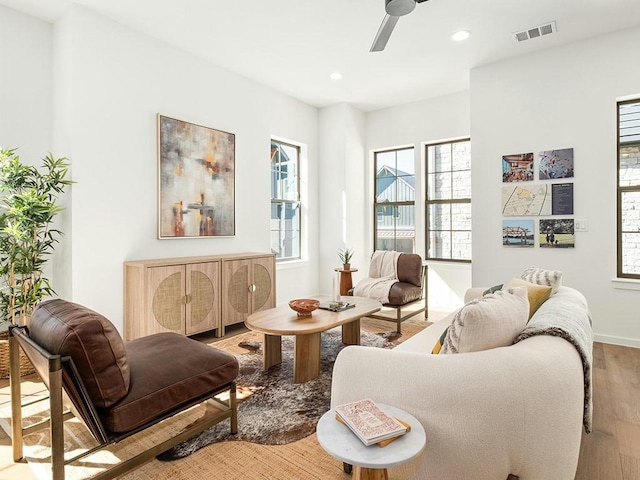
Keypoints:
pixel 534 32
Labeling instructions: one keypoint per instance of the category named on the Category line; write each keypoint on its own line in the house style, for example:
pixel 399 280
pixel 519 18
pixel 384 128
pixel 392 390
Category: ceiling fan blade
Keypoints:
pixel 384 32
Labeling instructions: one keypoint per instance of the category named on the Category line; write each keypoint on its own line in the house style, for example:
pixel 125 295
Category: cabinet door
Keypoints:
pixel 263 293
pixel 235 291
pixel 165 299
pixel 248 286
pixel 203 297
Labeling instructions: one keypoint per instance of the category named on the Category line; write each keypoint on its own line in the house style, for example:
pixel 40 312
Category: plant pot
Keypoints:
pixel 346 266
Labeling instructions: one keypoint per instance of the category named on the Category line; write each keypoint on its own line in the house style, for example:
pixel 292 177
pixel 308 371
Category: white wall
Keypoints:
pixel 415 124
pixel 565 97
pixel 120 80
pixel 342 182
pixel 25 85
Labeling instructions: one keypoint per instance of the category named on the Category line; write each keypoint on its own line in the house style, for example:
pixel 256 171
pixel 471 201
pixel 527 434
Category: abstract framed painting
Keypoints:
pixel 196 169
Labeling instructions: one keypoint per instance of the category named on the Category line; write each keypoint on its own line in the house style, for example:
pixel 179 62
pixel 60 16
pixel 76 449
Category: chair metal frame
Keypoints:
pixel 400 317
pixel 66 387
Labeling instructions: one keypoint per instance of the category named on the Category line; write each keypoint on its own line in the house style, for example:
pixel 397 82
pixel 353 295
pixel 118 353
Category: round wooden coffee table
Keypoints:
pixel 370 462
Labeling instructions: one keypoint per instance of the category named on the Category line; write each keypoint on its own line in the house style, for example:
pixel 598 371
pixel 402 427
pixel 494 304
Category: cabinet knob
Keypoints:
pixel 187 298
pixel 252 288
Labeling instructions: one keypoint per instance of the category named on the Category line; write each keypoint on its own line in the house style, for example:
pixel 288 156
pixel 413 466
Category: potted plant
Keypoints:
pixel 27 208
pixel 345 255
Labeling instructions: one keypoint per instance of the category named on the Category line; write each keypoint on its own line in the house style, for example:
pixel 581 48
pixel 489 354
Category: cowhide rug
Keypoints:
pixel 276 411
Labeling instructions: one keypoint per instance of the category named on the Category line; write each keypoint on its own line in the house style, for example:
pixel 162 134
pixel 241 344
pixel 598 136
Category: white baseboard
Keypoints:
pixel 625 342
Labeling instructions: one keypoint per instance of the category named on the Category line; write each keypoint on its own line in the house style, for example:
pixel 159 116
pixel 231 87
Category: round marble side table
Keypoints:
pixel 370 462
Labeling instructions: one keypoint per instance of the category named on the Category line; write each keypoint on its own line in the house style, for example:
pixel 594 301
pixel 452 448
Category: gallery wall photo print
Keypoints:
pixel 196 168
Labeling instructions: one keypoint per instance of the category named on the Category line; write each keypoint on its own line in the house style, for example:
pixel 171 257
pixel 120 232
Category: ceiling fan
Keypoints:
pixel 395 9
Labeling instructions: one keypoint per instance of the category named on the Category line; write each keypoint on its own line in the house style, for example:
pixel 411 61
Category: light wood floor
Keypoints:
pixel 610 452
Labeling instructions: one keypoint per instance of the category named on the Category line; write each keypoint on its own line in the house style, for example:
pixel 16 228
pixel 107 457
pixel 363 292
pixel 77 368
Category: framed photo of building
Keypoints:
pixel 196 169
pixel 517 233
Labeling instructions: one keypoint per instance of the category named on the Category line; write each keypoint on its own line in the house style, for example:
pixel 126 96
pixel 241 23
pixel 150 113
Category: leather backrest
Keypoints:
pixel 68 329
pixel 409 268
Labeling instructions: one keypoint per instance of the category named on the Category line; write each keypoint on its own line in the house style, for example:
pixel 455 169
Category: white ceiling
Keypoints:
pixel 293 45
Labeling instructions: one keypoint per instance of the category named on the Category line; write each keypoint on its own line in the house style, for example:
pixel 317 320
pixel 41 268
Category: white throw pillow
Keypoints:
pixel 540 276
pixel 491 321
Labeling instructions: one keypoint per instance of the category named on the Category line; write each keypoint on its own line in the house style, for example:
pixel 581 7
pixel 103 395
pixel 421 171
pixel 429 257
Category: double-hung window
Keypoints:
pixel 448 206
pixel 285 200
pixel 394 202
pixel 629 189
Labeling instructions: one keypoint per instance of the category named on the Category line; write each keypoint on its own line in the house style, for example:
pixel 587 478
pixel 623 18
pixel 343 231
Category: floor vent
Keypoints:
pixel 535 32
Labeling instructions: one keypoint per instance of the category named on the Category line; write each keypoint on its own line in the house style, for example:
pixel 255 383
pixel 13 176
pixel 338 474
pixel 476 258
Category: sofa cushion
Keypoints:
pixel 68 329
pixel 491 321
pixel 540 276
pixel 402 293
pixel 187 370
pixel 537 294
pixel 409 268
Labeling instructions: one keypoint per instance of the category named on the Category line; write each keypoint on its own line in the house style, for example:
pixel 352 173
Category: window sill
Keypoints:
pixel 626 283
pixel 287 264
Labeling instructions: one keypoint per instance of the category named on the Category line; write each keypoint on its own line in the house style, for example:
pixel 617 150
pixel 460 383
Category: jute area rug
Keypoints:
pixel 288 452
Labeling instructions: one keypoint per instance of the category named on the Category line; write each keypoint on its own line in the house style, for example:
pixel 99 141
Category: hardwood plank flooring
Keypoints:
pixel 610 452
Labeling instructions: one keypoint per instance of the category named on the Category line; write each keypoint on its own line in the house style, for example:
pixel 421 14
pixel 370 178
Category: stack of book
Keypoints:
pixel 370 424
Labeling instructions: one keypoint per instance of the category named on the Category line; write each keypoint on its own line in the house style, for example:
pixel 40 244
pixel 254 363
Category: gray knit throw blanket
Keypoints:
pixel 569 319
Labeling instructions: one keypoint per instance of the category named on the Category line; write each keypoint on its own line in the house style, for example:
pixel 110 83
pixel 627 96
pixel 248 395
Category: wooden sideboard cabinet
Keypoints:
pixel 189 295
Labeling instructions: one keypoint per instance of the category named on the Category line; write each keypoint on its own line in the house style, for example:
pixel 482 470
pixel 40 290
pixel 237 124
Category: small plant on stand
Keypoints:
pixel 345 255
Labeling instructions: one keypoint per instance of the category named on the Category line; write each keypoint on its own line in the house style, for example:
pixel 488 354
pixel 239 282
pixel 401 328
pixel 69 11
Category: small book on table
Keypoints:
pixel 369 422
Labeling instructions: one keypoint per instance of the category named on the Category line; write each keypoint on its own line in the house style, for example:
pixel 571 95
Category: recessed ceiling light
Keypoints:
pixel 335 76
pixel 460 36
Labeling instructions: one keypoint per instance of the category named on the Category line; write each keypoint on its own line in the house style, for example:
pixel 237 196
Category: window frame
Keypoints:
pixel 449 202
pixel 283 201
pixel 394 205
pixel 620 190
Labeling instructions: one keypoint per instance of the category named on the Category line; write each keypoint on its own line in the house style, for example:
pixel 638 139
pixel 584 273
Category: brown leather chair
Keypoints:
pixel 115 389
pixel 408 293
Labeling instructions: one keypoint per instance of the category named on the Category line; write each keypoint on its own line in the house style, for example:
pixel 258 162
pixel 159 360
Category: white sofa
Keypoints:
pixel 515 410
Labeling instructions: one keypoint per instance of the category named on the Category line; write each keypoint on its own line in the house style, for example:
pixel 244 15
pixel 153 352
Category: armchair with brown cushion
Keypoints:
pixel 116 389
pixel 408 293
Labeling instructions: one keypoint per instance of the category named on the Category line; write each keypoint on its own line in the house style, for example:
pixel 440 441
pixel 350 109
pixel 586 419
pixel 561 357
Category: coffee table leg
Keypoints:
pixel 351 333
pixel 306 357
pixel 272 352
pixel 363 473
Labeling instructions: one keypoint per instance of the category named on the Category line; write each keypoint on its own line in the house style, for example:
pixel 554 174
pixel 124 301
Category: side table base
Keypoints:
pixel 364 473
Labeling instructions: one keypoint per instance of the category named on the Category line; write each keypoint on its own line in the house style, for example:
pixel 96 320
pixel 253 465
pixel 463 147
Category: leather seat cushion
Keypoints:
pixel 68 329
pixel 168 371
pixel 402 293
